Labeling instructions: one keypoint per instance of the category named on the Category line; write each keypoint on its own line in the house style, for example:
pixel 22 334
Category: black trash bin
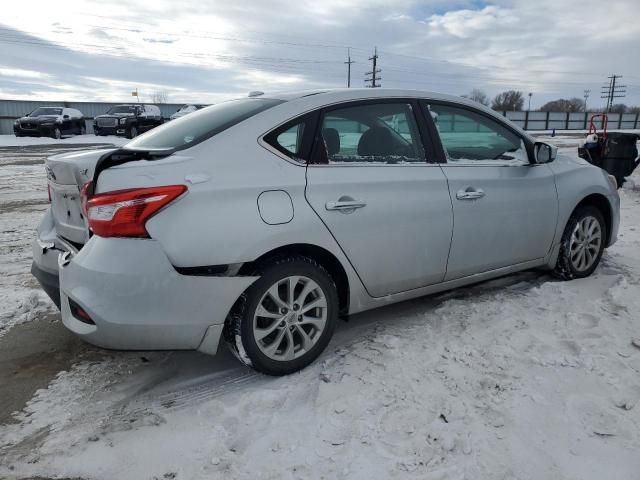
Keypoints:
pixel 620 155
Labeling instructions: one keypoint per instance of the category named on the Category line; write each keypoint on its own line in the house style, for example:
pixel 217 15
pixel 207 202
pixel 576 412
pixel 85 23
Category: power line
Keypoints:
pixel 374 71
pixel 300 66
pixel 215 36
pixel 121 50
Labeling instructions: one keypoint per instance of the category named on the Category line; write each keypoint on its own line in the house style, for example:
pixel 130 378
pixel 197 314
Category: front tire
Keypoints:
pixel 582 244
pixel 132 132
pixel 285 320
pixel 57 134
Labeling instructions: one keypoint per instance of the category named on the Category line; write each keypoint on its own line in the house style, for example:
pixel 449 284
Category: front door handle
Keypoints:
pixel 345 205
pixel 470 194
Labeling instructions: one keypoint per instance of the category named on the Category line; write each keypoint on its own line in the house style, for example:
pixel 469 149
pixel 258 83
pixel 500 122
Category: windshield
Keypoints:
pixel 196 127
pixel 123 109
pixel 45 111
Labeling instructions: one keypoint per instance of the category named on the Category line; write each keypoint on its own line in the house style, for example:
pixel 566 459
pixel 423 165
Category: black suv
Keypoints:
pixel 50 122
pixel 128 120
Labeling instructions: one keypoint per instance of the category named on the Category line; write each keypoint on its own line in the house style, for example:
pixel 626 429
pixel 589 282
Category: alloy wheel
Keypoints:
pixel 290 318
pixel 585 243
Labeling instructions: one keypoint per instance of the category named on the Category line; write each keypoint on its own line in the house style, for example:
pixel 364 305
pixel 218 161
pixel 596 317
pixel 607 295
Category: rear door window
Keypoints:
pixel 194 128
pixel 371 133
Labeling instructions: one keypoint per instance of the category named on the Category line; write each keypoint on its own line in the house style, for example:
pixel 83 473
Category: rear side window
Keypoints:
pixel 291 138
pixel 294 138
pixel 191 129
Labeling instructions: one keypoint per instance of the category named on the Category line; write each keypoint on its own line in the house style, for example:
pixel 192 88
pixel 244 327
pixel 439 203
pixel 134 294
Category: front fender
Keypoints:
pixel 576 180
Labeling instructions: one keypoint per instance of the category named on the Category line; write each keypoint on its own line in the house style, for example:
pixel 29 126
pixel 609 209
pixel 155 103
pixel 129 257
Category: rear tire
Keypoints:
pixel 582 244
pixel 285 320
pixel 83 130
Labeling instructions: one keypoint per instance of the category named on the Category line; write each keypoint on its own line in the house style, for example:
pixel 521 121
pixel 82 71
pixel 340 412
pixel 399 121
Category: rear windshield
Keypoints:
pixel 46 111
pixel 124 109
pixel 196 127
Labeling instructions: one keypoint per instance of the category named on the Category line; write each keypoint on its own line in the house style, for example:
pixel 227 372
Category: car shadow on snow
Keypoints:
pixel 146 382
pixel 188 378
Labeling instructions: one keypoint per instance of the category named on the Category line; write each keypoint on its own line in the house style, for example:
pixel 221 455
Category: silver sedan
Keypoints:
pixel 263 220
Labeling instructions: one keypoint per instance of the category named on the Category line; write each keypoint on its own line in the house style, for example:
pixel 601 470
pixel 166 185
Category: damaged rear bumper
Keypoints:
pixel 136 300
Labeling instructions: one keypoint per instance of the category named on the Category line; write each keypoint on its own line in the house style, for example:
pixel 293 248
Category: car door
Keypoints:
pixel 67 121
pixel 372 183
pixel 505 207
pixel 142 119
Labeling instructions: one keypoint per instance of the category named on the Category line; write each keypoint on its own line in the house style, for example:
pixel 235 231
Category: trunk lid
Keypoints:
pixel 66 174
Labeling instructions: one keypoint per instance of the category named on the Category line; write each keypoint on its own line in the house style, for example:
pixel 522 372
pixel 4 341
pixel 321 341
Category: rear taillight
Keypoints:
pixel 123 213
pixel 85 193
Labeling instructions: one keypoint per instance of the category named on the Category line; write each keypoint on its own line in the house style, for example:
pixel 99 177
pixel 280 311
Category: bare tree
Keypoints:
pixel 477 95
pixel 619 108
pixel 564 105
pixel 159 96
pixel 511 100
pixel 635 109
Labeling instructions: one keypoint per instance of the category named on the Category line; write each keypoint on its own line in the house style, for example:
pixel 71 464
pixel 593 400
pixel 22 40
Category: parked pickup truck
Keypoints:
pixel 128 120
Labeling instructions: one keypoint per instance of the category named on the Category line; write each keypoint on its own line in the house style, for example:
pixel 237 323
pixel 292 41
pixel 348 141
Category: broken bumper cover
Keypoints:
pixel 46 248
pixel 138 301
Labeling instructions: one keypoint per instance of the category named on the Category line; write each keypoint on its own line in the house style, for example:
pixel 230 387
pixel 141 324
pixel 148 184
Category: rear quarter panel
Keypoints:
pixel 218 221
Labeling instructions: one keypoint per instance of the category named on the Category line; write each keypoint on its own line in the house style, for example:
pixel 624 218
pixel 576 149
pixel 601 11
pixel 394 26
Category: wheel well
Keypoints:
pixel 601 203
pixel 320 255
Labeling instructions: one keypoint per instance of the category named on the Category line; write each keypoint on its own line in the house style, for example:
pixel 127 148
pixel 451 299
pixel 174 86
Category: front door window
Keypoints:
pixel 472 138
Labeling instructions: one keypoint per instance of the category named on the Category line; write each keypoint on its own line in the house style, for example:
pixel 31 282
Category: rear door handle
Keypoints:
pixel 470 194
pixel 345 205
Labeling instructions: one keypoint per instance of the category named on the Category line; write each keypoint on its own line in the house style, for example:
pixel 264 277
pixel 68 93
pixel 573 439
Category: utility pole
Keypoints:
pixel 586 97
pixel 348 63
pixel 612 91
pixel 374 71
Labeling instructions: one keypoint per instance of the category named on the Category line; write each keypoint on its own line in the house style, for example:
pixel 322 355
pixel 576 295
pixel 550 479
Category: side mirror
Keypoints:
pixel 544 153
pixel 65 116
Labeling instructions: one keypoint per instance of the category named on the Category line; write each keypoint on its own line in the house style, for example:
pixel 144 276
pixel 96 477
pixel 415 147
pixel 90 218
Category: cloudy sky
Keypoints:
pixel 203 51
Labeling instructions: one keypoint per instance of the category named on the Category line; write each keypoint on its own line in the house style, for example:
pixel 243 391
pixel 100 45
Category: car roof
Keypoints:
pixel 311 99
pixel 359 93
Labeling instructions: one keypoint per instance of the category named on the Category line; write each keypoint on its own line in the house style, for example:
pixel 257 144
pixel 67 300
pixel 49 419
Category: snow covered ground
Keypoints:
pixel 524 377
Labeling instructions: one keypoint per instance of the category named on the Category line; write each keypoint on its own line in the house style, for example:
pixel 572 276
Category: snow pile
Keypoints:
pixel 13 141
pixel 21 208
